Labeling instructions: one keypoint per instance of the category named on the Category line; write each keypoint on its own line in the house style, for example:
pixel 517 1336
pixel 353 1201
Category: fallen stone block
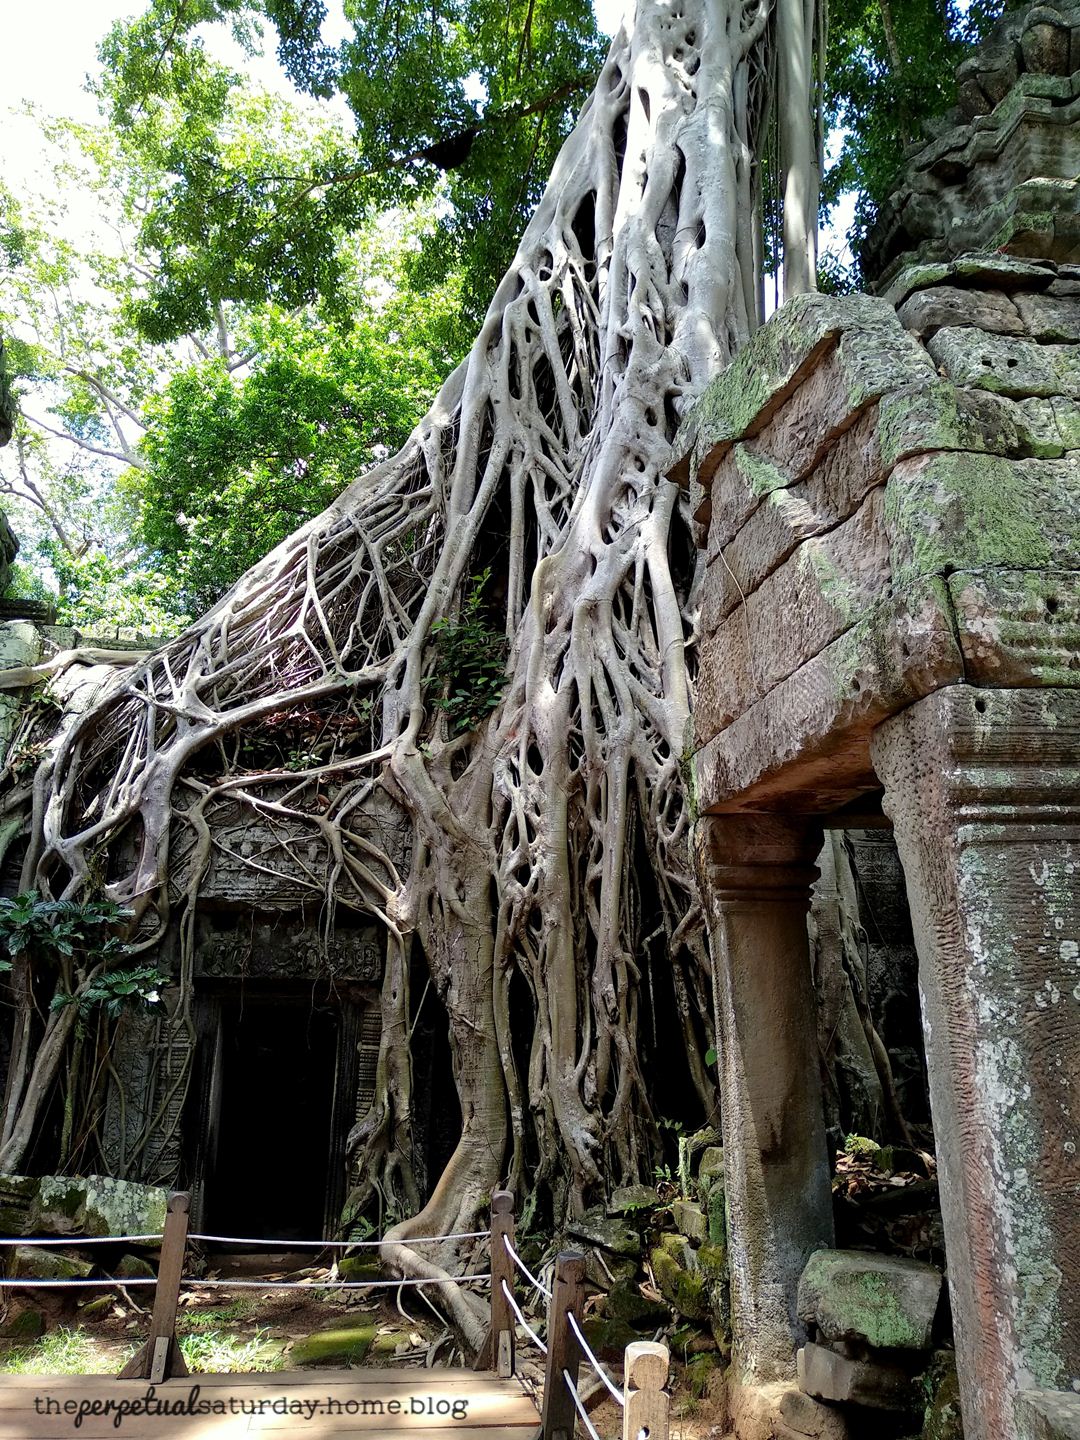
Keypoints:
pixel 881 1300
pixel 828 1376
pixel 30 1263
pixel 595 1228
pixel 1048 1415
pixel 629 1198
pixel 804 1415
pixel 690 1220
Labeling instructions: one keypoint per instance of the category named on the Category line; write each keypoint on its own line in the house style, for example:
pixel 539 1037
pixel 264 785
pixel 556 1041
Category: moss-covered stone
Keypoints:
pixel 958 511
pixel 345 1343
pixel 30 1263
pixel 942 1420
pixel 134 1267
pixel 608 1337
pixel 26 1325
pixel 764 371
pixel 699 1372
pixel 96 1205
pixel 684 1290
pixel 355 1267
pixel 606 1232
pixel 880 1300
pixel 625 1302
pixel 98 1308
pixel 632 1200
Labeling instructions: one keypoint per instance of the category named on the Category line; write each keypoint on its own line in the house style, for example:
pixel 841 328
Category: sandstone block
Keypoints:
pixel 31 1263
pixel 1018 627
pixel 817 594
pixel 927 311
pixel 765 371
pixel 881 1300
pixel 1005 364
pixel 1051 317
pixel 595 1228
pixel 711 1164
pixel 806 1416
pixel 829 1376
pixel 690 1220
pixel 97 1205
pixel 628 1198
pixel 950 512
pixel 812 733
pixel 747 544
pixel 1048 1415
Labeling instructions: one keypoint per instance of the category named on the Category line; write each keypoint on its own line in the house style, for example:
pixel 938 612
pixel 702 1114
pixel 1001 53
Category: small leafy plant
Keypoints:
pixel 44 929
pixel 470 662
pixel 116 991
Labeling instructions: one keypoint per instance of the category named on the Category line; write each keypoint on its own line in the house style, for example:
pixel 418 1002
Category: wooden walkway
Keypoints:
pixel 303 1405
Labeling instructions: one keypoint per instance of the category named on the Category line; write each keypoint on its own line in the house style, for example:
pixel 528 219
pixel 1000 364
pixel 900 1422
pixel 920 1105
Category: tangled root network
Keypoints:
pixel 531 836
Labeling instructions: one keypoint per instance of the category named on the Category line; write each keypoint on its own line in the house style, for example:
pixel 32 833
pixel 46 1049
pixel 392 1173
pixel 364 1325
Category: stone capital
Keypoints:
pixel 749 858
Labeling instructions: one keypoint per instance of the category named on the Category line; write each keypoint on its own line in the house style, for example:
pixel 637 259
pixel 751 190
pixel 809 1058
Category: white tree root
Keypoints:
pixel 521 869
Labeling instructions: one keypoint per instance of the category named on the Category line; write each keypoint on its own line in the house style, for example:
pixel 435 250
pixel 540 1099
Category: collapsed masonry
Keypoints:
pixel 889 500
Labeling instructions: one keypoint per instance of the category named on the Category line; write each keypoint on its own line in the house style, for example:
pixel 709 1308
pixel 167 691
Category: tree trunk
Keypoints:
pixel 552 839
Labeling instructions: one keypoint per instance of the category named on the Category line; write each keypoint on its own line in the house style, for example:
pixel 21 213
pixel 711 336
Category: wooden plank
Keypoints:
pixel 237 1429
pixel 415 1404
pixel 368 1375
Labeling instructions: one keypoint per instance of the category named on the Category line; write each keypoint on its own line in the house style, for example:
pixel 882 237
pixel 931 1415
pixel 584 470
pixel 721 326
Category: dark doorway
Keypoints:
pixel 268 1172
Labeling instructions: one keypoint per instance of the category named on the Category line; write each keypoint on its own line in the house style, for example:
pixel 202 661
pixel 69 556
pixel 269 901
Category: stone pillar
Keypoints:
pixel 756 872
pixel 983 787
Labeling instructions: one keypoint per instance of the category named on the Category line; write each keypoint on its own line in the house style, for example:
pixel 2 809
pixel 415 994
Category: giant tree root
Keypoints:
pixel 544 865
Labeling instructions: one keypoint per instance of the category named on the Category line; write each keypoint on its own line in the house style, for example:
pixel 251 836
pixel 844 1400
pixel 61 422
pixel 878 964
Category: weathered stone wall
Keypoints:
pixel 888 495
pixel 888 510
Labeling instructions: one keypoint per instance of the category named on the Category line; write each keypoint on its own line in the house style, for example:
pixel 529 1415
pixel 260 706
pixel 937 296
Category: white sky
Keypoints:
pixel 49 46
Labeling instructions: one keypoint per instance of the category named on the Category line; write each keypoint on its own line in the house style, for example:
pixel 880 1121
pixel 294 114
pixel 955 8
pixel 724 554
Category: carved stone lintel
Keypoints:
pixel 755 873
pixel 983 787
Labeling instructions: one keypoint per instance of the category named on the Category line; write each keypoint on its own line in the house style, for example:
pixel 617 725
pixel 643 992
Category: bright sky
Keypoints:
pixel 49 46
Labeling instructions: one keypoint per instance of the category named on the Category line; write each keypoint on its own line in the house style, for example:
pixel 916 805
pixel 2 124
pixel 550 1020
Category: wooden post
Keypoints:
pixel 502 1268
pixel 564 1352
pixel 645 1415
pixel 160 1357
pixel 497 1351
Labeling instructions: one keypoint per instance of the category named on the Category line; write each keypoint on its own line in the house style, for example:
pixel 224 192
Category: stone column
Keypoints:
pixel 983 787
pixel 755 873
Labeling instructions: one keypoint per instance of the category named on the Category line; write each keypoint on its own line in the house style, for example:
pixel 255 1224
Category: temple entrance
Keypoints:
pixel 269 1161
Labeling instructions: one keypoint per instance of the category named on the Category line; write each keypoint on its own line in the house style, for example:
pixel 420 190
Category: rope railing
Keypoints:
pixel 55 1283
pixel 579 1406
pixel 533 1281
pixel 643 1400
pixel 616 1394
pixel 313 1284
pixel 336 1244
pixel 37 1242
pixel 516 1308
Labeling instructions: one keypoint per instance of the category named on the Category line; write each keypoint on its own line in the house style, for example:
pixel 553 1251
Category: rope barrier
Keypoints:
pixel 333 1284
pixel 336 1244
pixel 77 1241
pixel 516 1258
pixel 616 1393
pixel 522 1321
pixel 579 1406
pixel 72 1284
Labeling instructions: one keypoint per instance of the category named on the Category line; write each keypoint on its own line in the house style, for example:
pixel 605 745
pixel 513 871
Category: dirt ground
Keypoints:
pixel 256 1329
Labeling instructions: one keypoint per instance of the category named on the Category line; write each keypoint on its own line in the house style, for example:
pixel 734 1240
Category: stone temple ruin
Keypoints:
pixel 886 744
pixel 888 497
